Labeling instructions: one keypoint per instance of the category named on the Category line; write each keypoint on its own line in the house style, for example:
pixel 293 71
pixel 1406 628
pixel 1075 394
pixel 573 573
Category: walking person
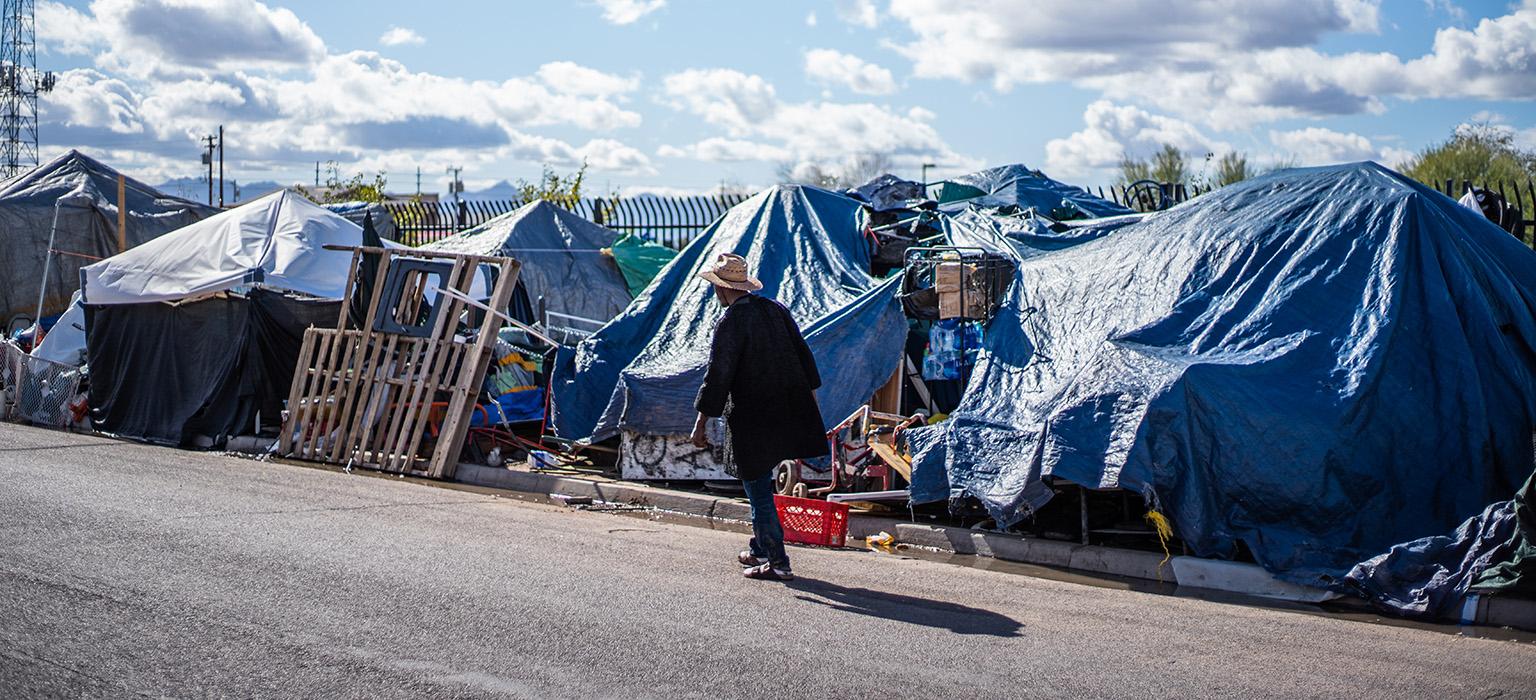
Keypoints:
pixel 763 379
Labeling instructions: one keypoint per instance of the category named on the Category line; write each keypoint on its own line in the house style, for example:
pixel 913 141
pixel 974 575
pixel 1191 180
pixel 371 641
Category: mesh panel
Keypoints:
pixel 35 390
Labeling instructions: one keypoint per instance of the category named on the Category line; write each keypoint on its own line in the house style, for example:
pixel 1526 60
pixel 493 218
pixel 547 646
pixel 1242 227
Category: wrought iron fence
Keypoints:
pixel 671 221
pixel 676 221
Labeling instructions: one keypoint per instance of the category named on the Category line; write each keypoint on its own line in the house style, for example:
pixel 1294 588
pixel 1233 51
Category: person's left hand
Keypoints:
pixel 699 438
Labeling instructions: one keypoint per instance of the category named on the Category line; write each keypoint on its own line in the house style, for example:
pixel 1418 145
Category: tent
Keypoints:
pixel 357 211
pixel 564 269
pixel 640 373
pixel 1319 363
pixel 83 193
pixel 278 240
pixel 194 334
pixel 1018 187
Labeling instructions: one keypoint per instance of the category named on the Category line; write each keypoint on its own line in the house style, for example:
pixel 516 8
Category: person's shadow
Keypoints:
pixel 956 618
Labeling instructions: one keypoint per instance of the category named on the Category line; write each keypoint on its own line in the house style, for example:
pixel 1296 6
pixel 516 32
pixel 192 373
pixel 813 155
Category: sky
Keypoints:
pixel 680 96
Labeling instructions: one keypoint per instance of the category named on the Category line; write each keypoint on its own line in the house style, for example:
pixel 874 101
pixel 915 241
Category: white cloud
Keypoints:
pixel 859 12
pixel 810 19
pixel 820 132
pixel 574 79
pixel 723 97
pixel 837 68
pixel 1113 131
pixel 85 98
pixel 1319 146
pixel 400 36
pixel 1227 63
pixel 722 150
pixel 144 38
pixel 628 11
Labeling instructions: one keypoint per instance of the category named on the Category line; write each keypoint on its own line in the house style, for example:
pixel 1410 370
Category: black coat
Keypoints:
pixel 763 379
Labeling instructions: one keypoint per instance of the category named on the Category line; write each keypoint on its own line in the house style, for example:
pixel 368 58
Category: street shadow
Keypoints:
pixel 961 619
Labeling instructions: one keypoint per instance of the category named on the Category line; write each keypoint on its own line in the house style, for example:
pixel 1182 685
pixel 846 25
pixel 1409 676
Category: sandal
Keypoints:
pixel 766 572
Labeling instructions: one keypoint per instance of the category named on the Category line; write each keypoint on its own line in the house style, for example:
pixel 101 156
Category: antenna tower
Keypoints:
pixel 20 84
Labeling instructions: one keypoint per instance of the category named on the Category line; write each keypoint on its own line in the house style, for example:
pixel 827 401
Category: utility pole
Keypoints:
pixel 221 166
pixel 208 145
pixel 418 182
pixel 456 186
pixel 317 174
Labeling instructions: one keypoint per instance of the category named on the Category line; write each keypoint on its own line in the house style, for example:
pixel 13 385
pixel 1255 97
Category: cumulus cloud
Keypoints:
pixel 1227 63
pixel 1113 131
pixel 400 36
pixel 1319 146
pixel 859 12
pixel 836 68
pixel 575 79
pixel 628 11
pixel 144 38
pixel 819 132
pixel 723 150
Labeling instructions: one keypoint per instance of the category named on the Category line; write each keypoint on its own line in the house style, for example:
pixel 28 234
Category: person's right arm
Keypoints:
pixel 724 357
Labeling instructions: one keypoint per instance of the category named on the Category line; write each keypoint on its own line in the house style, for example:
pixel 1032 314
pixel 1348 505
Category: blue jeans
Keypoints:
pixel 767 533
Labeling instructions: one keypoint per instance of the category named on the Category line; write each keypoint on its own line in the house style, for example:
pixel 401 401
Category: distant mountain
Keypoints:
pixel 196 189
pixel 500 190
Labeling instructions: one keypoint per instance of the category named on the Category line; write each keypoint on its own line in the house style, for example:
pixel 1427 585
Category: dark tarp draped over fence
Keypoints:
pixel 1319 363
pixel 806 245
pixel 1018 186
pixel 166 373
pixel 1492 552
pixel 85 191
pixel 561 253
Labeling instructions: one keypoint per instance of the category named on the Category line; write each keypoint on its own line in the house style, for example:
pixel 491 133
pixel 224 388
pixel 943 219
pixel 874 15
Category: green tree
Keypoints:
pixel 1232 167
pixel 553 186
pixel 357 188
pixel 1167 165
pixel 1476 152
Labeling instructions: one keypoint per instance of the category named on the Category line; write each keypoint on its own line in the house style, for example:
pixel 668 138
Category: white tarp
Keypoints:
pixel 65 343
pixel 276 240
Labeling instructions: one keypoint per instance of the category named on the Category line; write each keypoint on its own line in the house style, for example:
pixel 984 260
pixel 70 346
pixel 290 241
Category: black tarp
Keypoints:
pixel 166 373
pixel 85 192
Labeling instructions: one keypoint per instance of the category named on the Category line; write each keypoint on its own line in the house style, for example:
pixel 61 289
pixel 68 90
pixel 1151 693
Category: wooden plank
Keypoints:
pixel 452 361
pixel 317 409
pixel 296 392
pixel 893 459
pixel 471 374
pixel 407 440
pixel 304 412
pixel 346 298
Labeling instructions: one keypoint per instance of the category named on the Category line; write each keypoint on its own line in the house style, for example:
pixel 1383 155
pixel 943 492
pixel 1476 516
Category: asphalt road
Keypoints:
pixel 128 570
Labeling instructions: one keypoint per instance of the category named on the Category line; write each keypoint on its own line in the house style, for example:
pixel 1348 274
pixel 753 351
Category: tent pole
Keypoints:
pixel 42 292
pixel 122 212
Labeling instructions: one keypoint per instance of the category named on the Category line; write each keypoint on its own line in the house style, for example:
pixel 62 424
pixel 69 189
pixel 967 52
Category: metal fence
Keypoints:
pixel 670 221
pixel 676 221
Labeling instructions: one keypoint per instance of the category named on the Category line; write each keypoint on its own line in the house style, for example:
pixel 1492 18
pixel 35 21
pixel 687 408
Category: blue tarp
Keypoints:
pixel 1319 363
pixel 1018 186
pixel 641 371
pixel 564 269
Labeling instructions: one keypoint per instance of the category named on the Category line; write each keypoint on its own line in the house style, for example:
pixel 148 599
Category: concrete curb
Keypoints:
pixel 1230 577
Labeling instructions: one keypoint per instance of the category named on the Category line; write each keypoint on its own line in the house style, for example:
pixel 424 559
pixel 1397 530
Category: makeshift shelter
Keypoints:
pixel 357 212
pixel 640 261
pixel 72 200
pixel 1318 363
pixel 564 270
pixel 638 375
pixel 207 361
pixel 1016 187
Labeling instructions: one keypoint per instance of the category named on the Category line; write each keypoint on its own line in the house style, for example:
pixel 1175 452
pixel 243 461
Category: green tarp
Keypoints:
pixel 640 260
pixel 1516 573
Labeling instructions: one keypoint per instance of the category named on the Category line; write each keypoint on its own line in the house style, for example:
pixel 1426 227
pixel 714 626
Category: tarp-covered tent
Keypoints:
pixel 357 212
pixel 1017 186
pixel 278 240
pixel 1318 363
pixel 564 269
pixel 171 359
pixel 642 371
pixel 85 192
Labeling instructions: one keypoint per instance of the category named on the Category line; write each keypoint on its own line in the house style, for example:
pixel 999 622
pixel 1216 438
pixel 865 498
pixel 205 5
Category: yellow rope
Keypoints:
pixel 1164 530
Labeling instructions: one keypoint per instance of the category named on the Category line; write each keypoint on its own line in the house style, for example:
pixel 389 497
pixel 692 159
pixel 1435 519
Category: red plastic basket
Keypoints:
pixel 810 521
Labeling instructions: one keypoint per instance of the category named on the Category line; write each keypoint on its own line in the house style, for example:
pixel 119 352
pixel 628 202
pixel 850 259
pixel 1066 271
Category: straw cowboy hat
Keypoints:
pixel 730 271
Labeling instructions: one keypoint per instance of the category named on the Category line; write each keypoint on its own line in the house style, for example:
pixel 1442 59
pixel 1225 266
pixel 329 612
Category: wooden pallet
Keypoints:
pixel 370 397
